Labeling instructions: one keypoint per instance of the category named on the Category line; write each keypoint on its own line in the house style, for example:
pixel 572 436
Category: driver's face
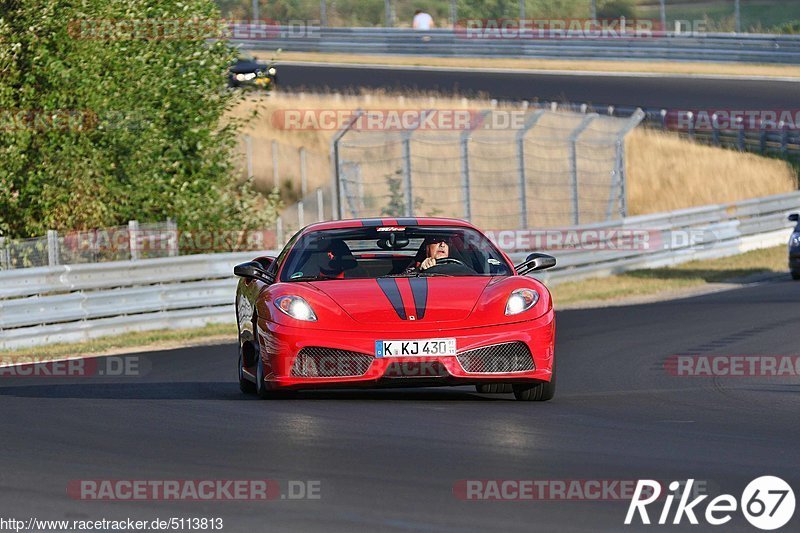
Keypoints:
pixel 438 250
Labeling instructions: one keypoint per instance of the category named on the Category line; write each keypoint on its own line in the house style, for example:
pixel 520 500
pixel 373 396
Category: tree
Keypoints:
pixel 103 120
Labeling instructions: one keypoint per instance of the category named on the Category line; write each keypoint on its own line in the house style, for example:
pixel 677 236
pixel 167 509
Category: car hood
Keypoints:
pixel 397 300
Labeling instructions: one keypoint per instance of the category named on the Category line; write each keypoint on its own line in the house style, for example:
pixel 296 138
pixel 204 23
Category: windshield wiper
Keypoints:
pixel 311 278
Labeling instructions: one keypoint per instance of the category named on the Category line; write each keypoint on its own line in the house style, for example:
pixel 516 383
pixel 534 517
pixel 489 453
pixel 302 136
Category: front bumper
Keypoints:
pixel 280 345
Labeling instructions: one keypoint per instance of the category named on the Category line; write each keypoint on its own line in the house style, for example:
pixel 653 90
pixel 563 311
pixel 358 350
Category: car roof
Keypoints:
pixel 381 222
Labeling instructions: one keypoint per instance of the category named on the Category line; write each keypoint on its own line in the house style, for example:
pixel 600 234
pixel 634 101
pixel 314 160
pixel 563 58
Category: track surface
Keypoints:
pixel 656 92
pixel 388 459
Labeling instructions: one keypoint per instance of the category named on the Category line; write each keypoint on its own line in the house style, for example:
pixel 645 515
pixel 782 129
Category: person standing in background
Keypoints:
pixel 422 20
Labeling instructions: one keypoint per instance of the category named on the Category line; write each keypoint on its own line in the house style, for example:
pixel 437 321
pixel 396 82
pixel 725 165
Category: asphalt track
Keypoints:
pixel 647 92
pixel 387 460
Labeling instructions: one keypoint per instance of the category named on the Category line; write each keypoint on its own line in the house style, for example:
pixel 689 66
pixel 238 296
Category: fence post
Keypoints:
pixel 248 150
pixel 762 138
pixel 635 120
pixel 784 137
pixel 336 197
pixel 466 135
pixel 301 216
pixel 172 240
pixel 523 181
pixel 409 209
pixel 133 234
pixel 53 253
pixel 320 209
pixel 275 178
pixel 303 176
pixel 573 165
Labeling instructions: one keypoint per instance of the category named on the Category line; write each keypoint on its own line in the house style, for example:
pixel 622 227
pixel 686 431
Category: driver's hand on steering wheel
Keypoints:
pixel 427 263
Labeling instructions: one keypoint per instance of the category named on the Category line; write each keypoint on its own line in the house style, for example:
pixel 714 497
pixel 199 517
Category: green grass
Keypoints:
pixel 657 281
pixel 757 15
pixel 167 337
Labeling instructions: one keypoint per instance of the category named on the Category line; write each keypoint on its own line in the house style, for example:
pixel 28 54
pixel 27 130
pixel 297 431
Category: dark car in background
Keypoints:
pixel 794 247
pixel 248 72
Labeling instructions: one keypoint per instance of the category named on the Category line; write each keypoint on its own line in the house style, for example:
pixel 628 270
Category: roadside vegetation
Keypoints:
pixel 100 128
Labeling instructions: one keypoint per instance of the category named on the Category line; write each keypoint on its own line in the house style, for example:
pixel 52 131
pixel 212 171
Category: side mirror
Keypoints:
pixel 535 262
pixel 252 270
pixel 265 261
pixel 794 217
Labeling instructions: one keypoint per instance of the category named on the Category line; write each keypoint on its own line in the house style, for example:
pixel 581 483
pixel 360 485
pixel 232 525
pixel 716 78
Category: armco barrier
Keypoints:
pixel 716 47
pixel 78 302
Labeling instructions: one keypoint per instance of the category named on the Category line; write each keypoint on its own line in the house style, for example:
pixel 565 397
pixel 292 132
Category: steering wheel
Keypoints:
pixel 448 261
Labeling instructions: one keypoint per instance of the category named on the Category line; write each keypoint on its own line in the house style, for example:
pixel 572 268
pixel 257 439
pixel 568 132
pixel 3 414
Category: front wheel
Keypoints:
pixel 540 392
pixel 245 385
pixel 796 275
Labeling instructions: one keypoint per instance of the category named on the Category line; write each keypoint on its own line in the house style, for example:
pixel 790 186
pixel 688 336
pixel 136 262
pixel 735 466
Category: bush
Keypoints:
pixel 138 131
pixel 614 9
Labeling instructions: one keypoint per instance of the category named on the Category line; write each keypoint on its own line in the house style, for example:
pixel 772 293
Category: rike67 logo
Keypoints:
pixel 767 503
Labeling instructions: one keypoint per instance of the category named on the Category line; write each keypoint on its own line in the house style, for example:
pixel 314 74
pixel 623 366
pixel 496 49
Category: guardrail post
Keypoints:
pixel 573 165
pixel 53 253
pixel 714 130
pixel 784 137
pixel 742 139
pixel 530 122
pixel 133 241
pixel 320 209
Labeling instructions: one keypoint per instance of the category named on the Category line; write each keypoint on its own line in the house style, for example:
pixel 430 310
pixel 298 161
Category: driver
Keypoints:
pixel 435 248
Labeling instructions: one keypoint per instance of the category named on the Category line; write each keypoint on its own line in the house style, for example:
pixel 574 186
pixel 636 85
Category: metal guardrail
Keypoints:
pixel 78 302
pixel 716 47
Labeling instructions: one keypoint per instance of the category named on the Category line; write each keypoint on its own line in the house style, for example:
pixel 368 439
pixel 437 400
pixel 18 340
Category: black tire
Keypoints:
pixel 246 386
pixel 261 388
pixel 540 392
pixel 796 276
pixel 494 388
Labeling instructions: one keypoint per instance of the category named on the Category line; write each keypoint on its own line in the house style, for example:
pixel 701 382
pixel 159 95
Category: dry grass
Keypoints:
pixel 744 70
pixel 665 172
pixel 672 281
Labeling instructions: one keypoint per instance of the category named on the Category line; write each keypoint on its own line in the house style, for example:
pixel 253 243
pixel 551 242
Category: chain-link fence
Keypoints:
pixel 500 169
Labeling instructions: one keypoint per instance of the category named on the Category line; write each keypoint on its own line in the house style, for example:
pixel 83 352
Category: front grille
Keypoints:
pixel 314 362
pixel 507 357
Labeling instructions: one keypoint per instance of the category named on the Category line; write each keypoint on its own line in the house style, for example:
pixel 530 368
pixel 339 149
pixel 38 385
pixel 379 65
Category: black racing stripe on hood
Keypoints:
pixel 392 292
pixel 419 289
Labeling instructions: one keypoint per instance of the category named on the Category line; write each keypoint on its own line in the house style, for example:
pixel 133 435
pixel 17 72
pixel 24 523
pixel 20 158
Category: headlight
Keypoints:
pixel 245 77
pixel 272 71
pixel 794 242
pixel 296 307
pixel 521 300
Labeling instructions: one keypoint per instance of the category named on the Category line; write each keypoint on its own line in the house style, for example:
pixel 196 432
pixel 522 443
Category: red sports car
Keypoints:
pixel 394 302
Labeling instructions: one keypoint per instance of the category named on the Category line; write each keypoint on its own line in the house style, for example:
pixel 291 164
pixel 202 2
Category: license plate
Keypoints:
pixel 421 347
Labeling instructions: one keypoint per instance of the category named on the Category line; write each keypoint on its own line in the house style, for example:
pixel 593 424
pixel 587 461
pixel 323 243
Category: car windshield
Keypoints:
pixel 389 251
